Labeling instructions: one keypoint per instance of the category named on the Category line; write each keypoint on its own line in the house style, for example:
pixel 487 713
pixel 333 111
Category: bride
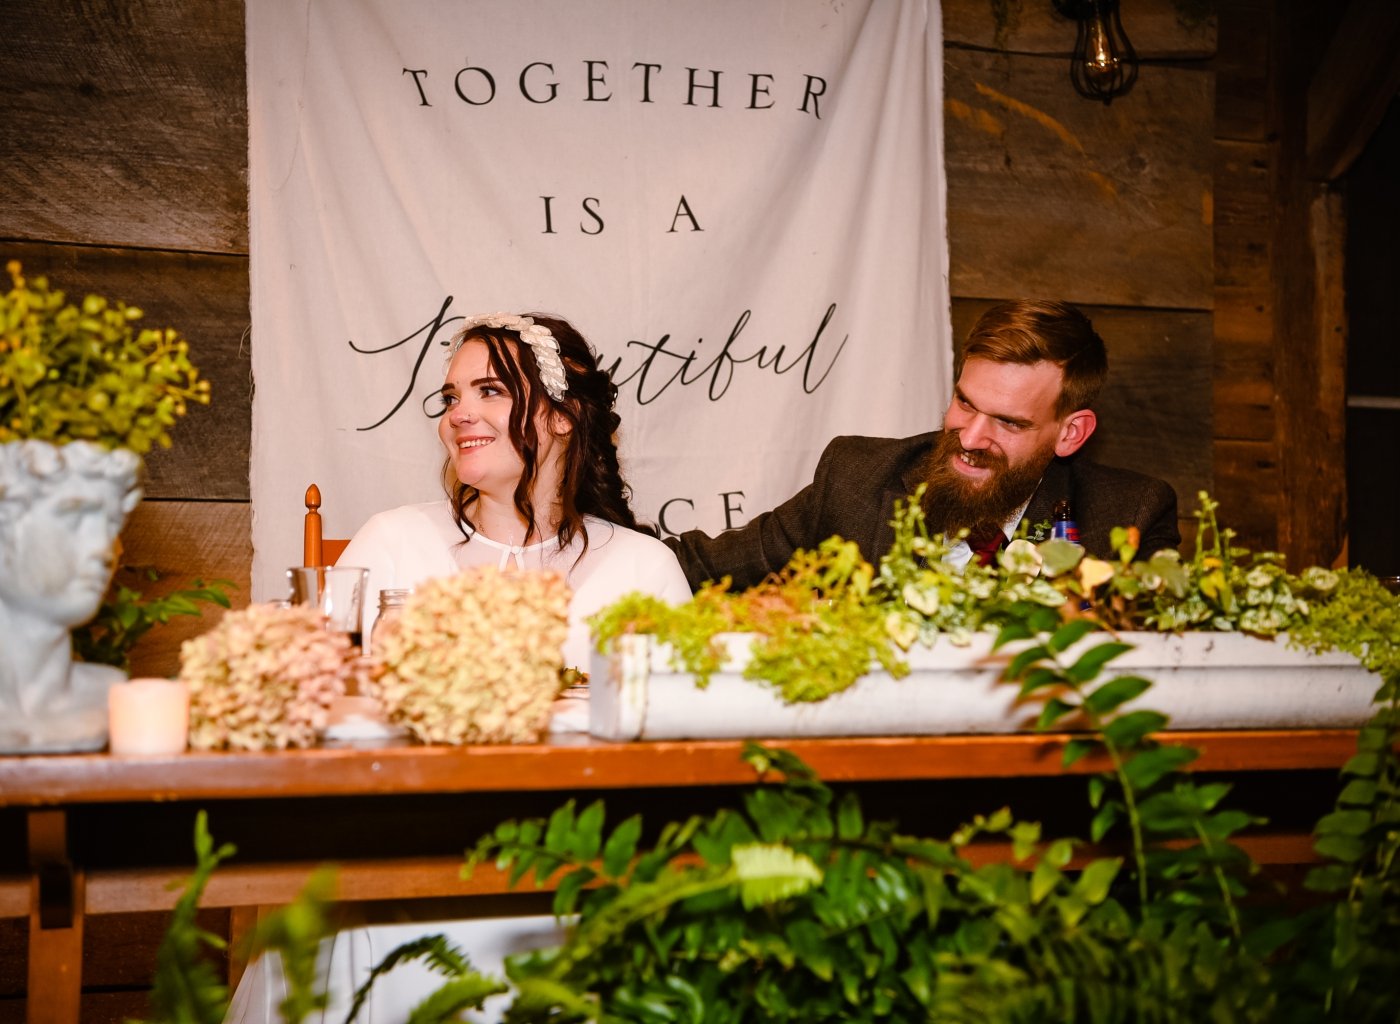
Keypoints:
pixel 532 476
pixel 533 483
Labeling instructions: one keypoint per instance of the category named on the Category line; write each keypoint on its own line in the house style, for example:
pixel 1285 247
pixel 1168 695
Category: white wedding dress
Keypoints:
pixel 348 958
pixel 402 548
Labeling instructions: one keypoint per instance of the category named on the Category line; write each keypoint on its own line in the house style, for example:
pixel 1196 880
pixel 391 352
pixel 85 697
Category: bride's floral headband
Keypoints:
pixel 540 340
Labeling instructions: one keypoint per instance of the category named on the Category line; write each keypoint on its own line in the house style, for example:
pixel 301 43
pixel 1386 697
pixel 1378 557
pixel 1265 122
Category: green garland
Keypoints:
pixel 828 617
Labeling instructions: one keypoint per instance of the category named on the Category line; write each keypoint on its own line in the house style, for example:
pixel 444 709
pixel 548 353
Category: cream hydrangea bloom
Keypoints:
pixel 476 657
pixel 264 679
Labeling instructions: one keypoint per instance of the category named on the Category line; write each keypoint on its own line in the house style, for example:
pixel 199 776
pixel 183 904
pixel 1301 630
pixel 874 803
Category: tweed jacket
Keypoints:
pixel 858 480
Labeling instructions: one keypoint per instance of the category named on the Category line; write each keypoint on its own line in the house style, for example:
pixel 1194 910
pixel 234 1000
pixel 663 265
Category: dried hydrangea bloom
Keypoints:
pixel 264 679
pixel 476 657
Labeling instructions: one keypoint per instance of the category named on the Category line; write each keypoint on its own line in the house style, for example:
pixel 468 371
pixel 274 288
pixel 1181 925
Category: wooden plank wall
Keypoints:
pixel 123 166
pixel 1246 462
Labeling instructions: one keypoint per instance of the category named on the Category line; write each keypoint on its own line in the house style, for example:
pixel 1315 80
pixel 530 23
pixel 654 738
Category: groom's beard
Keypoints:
pixel 953 502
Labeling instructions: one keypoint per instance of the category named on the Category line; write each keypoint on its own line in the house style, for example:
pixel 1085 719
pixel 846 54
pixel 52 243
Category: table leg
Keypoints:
pixel 55 923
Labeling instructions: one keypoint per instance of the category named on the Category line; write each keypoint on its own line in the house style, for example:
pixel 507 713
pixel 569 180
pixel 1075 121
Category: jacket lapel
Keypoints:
pixel 1054 486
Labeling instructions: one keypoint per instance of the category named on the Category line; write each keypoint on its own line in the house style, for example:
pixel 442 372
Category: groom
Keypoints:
pixel 1021 409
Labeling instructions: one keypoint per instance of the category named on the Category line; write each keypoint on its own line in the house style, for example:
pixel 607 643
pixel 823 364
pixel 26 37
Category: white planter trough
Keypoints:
pixel 1202 681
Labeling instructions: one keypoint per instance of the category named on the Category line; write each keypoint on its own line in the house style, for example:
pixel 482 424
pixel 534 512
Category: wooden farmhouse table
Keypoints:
pixel 98 834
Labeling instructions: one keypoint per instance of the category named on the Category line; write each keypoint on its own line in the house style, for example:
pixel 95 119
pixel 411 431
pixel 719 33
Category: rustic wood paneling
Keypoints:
pixel 1244 360
pixel 1051 194
pixel 1310 354
pixel 1243 214
pixel 1242 108
pixel 125 124
pixel 1247 487
pixel 206 299
pixel 184 541
pixel 1244 395
pixel 1154 413
pixel 1156 28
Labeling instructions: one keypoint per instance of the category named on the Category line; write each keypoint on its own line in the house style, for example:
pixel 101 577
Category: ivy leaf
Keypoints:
pixel 1070 634
pixel 1043 880
pixel 1366 764
pixel 1115 693
pixel 1059 852
pixel 1076 749
pixel 1093 660
pixel 1347 849
pixel 1024 836
pixel 1103 821
pixel 1130 729
pixel 1344 823
pixel 1053 710
pixel 1226 823
pixel 1358 791
pixel 1263 941
pixel 1010 632
pixel 1023 660
pixel 1147 767
pixel 1037 679
pixel 1096 879
pixel 1059 555
pixel 1328 878
pixel 1072 909
pixel 999 820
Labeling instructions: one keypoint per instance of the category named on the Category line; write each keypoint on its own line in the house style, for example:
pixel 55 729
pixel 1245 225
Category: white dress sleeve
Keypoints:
pixel 401 548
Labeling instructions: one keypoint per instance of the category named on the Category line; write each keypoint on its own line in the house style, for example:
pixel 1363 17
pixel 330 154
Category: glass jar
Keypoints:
pixel 390 608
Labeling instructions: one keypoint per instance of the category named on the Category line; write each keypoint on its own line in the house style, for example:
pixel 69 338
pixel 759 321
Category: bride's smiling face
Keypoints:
pixel 475 426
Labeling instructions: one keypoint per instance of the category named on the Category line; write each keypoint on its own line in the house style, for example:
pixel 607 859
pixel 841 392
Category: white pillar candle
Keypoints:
pixel 148 716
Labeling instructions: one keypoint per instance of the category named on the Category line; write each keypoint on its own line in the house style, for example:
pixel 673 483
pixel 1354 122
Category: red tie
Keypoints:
pixel 986 543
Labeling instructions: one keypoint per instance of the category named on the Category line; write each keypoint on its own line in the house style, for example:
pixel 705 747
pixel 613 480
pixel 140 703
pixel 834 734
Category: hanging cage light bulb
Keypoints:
pixel 1104 64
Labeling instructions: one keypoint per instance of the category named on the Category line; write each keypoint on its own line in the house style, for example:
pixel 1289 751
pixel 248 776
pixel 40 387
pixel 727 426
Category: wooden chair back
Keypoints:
pixel 318 549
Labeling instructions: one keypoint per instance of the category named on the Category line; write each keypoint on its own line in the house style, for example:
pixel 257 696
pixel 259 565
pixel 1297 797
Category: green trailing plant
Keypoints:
pixel 829 616
pixel 818 624
pixel 186 988
pixel 87 372
pixel 126 615
pixel 1354 941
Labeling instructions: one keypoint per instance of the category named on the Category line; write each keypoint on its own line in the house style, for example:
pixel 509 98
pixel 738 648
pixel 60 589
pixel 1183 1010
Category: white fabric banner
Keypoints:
pixel 740 203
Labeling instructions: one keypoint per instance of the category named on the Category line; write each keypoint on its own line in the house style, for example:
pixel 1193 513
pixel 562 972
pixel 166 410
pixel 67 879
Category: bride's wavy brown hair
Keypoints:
pixel 591 483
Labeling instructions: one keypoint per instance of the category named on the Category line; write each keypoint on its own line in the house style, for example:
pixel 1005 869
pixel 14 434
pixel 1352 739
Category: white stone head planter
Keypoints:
pixel 61 508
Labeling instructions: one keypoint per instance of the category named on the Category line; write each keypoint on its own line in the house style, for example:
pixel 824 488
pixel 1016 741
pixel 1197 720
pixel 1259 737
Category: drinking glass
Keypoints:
pixel 338 591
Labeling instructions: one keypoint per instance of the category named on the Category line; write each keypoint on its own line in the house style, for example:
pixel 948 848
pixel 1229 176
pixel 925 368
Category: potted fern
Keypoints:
pixel 84 394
